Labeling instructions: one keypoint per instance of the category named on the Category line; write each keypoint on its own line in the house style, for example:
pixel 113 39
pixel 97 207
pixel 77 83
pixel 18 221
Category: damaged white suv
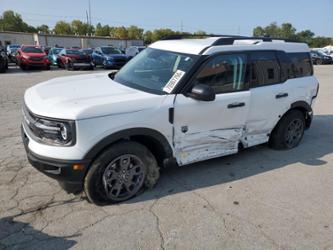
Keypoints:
pixel 177 102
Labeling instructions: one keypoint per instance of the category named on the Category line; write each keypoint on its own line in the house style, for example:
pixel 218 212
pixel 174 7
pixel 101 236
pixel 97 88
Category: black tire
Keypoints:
pixel 23 67
pixel 109 165
pixel 48 67
pixel 319 62
pixel 69 66
pixel 2 67
pixel 289 132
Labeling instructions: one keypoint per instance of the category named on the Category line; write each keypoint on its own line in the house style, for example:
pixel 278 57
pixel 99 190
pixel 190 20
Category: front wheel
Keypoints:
pixel 120 172
pixel 289 131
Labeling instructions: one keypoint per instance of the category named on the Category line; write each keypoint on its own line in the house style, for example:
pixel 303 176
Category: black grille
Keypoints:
pixel 36 59
pixel 119 59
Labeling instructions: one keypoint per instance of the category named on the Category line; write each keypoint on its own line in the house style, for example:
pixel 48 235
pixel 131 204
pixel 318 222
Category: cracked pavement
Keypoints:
pixel 258 199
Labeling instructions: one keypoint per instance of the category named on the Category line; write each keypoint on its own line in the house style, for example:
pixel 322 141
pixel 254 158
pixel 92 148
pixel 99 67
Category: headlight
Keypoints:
pixel 26 57
pixel 49 131
pixel 55 132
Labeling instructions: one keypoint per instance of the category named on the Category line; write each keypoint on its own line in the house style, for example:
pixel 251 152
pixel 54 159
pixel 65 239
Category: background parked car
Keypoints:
pixel 11 52
pixel 87 51
pixel 109 57
pixel 3 60
pixel 32 56
pixel 53 55
pixel 319 57
pixel 134 50
pixel 46 49
pixel 72 59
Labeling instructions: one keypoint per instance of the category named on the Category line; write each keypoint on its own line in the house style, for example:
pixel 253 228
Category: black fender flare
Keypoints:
pixel 126 134
pixel 308 112
pixel 301 104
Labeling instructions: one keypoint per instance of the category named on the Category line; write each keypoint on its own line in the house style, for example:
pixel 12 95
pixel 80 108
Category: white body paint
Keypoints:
pixel 201 130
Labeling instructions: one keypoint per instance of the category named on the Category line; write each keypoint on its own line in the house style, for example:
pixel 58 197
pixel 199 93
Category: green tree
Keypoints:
pixel 79 28
pixel 63 28
pixel 121 33
pixel 134 32
pixel 258 31
pixel 148 37
pixel 102 30
pixel 11 21
pixel 287 31
pixel 43 28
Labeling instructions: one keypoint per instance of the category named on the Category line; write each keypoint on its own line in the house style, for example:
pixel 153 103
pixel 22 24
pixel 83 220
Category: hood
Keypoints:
pixel 86 96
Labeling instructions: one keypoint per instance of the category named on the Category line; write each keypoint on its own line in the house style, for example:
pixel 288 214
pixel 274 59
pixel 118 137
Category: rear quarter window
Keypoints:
pixel 301 63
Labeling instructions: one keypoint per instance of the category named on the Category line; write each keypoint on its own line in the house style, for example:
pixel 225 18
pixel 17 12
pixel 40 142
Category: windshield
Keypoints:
pixel 87 51
pixel 152 69
pixel 57 51
pixel 14 46
pixel 32 50
pixel 110 50
pixel 321 53
pixel 73 52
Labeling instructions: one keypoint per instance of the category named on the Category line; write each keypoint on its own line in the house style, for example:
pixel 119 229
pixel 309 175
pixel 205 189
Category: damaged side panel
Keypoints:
pixel 193 147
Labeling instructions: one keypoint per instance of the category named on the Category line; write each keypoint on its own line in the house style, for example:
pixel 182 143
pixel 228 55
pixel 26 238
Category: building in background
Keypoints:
pixel 9 37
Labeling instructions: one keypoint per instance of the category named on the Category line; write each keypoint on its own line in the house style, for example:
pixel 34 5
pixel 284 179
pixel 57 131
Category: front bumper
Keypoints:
pixel 113 64
pixel 82 65
pixel 61 170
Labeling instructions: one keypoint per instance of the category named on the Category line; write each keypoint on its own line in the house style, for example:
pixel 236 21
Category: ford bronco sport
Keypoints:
pixel 177 102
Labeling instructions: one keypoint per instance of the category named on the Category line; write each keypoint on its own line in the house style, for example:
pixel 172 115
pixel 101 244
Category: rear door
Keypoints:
pixel 204 130
pixel 270 97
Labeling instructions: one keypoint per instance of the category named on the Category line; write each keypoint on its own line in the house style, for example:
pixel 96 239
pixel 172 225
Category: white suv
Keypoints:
pixel 177 102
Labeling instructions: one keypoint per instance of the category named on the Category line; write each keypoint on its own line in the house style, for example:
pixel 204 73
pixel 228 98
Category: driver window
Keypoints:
pixel 224 73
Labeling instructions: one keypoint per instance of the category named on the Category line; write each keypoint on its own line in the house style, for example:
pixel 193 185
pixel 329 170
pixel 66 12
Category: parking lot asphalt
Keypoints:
pixel 257 199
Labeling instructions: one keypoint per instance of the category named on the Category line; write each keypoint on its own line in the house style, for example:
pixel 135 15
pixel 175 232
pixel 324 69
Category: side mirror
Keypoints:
pixel 202 92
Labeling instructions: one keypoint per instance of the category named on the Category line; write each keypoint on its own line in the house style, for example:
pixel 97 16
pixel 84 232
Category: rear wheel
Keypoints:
pixel 289 131
pixel 120 172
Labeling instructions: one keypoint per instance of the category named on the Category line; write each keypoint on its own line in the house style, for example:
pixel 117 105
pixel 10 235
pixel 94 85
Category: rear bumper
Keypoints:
pixel 61 170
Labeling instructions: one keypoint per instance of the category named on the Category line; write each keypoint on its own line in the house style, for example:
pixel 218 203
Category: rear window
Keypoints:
pixel 32 50
pixel 301 63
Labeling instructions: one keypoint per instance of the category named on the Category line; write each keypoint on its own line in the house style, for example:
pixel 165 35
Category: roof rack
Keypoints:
pixel 227 39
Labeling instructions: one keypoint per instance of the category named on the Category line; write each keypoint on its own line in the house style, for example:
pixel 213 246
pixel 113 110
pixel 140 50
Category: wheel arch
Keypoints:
pixel 152 139
pixel 302 106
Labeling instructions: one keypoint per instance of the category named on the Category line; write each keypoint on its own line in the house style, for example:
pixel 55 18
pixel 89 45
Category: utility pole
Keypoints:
pixel 181 26
pixel 89 15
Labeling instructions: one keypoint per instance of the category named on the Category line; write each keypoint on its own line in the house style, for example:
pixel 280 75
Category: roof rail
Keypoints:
pixel 226 39
pixel 184 36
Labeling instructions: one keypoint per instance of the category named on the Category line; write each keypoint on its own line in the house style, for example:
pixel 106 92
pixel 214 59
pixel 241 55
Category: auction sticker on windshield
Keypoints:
pixel 177 76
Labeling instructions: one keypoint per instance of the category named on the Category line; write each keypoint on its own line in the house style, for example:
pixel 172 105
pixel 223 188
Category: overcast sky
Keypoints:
pixel 213 16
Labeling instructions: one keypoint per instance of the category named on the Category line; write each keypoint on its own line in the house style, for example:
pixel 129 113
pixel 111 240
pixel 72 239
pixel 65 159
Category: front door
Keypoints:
pixel 204 130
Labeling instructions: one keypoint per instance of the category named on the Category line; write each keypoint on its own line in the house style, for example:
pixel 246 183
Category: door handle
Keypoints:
pixel 281 95
pixel 236 105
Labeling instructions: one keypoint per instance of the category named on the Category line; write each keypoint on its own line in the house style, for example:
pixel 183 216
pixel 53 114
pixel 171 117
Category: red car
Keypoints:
pixel 32 56
pixel 73 59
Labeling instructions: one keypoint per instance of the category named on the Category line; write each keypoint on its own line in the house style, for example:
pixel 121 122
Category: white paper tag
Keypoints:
pixel 172 83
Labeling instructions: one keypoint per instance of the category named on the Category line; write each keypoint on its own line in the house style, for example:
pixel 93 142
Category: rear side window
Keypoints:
pixel 301 63
pixel 224 73
pixel 264 69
